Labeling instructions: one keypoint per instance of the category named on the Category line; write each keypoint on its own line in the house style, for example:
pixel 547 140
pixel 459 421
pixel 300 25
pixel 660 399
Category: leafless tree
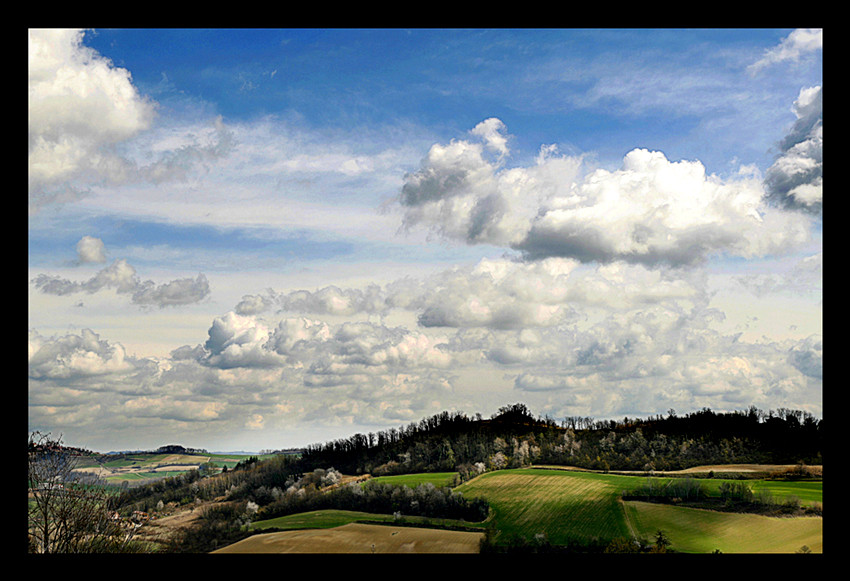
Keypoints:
pixel 67 515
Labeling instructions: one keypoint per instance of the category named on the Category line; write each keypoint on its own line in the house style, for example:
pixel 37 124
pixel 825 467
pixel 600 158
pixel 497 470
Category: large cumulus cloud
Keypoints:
pixel 80 107
pixel 247 341
pixel 614 337
pixel 84 111
pixel 651 210
pixel 75 356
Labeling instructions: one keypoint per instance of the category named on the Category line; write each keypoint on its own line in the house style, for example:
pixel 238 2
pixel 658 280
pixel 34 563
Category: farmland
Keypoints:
pixel 578 508
pixel 570 507
pixel 141 467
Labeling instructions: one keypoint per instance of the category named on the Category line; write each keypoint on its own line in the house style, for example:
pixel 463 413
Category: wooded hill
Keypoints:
pixel 513 437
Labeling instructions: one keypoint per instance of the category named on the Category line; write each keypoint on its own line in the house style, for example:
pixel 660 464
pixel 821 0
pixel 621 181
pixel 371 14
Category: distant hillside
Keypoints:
pixel 176 449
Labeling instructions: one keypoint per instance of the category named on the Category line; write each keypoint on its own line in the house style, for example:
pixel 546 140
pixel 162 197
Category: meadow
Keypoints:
pixel 438 479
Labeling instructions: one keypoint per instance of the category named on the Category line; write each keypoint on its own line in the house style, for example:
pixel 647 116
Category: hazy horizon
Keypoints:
pixel 245 239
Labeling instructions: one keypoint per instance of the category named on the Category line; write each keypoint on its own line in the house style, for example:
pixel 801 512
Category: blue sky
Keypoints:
pixel 253 239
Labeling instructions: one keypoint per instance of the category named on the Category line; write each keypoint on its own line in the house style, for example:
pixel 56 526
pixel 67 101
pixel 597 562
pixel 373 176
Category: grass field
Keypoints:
pixel 565 506
pixel 703 531
pixel 577 506
pixel 438 479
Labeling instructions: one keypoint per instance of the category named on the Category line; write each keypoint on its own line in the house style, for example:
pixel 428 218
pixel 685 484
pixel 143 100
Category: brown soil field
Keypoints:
pixel 360 538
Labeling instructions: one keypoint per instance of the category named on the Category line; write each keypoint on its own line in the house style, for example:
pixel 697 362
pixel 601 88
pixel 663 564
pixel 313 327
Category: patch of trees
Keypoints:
pixel 439 443
pixel 177 449
pixel 249 479
pixel 539 544
pixel 219 525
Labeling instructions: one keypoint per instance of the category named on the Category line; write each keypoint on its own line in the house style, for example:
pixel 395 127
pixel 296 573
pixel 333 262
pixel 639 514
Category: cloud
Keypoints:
pixel 169 408
pixel 236 341
pixel 795 180
pixel 460 194
pixel 490 130
pixel 807 356
pixel 181 291
pixel 83 111
pixel 90 249
pixel 503 293
pixel 122 277
pixel 330 300
pixel 75 356
pixel 655 211
pixel 80 107
pixel 197 148
pixel 651 211
pixel 799 43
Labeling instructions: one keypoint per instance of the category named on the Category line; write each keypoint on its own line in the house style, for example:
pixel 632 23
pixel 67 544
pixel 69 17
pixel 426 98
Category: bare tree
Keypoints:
pixel 67 515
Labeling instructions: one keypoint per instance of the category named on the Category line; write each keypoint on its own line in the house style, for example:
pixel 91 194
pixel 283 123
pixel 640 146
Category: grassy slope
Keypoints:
pixel 438 479
pixel 583 506
pixel 703 531
pixel 565 506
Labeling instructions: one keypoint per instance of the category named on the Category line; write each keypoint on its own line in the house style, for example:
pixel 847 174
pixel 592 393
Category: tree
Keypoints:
pixel 661 542
pixel 67 515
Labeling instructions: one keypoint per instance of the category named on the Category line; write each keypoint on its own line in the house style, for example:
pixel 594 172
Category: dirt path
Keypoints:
pixel 629 524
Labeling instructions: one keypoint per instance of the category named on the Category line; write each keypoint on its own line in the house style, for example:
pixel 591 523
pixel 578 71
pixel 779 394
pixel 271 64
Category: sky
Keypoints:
pixel 245 239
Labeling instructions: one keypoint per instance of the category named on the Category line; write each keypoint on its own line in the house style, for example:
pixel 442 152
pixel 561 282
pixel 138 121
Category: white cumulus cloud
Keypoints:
pixel 652 210
pixel 80 107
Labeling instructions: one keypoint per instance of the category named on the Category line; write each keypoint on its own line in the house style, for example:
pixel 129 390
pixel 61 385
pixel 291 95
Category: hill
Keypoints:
pixel 513 438
pixel 461 448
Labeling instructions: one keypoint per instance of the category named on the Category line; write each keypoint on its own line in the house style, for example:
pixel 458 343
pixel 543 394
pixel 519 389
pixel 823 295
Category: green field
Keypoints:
pixel 704 531
pixel 317 519
pixel 581 507
pixel 325 519
pixel 565 506
pixel 438 479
